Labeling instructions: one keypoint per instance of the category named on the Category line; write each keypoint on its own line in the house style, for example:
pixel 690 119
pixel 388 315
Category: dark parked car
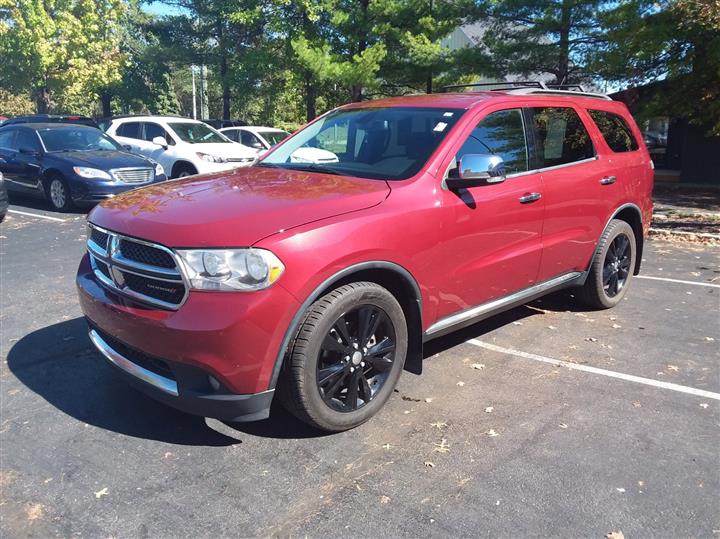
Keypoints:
pixel 70 164
pixel 3 199
pixel 50 118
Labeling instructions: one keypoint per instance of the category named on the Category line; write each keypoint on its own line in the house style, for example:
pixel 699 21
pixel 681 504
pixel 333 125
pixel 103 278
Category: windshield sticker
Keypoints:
pixel 448 115
pixel 440 127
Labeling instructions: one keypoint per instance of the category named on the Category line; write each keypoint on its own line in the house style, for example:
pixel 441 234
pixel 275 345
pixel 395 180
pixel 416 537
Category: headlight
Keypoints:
pixel 210 158
pixel 87 172
pixel 230 269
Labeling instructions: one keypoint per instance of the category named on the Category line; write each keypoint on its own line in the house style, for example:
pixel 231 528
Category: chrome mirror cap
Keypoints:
pixel 481 166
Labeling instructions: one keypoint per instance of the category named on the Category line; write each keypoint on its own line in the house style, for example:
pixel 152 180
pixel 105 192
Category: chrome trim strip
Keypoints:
pixel 160 382
pixel 177 280
pixel 473 312
pixel 564 165
pixel 149 170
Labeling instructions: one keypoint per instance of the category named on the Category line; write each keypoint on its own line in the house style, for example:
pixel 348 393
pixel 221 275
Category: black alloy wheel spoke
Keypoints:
pixel 617 265
pixel 350 371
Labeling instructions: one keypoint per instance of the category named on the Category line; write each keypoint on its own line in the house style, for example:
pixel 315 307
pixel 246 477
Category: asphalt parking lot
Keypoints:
pixel 549 420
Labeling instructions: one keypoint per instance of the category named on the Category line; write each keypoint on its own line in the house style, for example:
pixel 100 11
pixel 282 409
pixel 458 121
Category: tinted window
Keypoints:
pixel 130 130
pixel 27 139
pixel 274 137
pixel 615 131
pixel 560 137
pixel 154 130
pixel 6 138
pixel 248 139
pixel 499 133
pixel 232 134
pixel 389 143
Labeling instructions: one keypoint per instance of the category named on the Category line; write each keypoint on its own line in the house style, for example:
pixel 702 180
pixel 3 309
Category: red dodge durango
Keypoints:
pixel 319 272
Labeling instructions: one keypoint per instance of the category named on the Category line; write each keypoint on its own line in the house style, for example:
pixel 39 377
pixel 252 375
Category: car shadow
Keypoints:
pixel 60 364
pixel 40 204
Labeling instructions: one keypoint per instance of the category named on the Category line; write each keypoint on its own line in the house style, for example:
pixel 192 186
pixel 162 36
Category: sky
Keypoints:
pixel 160 8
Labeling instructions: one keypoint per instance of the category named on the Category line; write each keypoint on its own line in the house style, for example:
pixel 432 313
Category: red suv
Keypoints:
pixel 320 271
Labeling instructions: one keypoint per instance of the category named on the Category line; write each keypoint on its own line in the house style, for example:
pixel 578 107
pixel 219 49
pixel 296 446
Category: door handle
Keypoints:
pixel 530 197
pixel 608 180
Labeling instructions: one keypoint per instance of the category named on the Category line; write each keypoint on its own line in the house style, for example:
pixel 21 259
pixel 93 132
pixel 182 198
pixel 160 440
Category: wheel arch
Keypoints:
pixel 631 214
pixel 179 164
pixel 395 278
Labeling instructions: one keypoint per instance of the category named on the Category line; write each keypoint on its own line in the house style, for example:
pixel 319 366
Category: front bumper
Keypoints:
pixel 89 191
pixel 213 357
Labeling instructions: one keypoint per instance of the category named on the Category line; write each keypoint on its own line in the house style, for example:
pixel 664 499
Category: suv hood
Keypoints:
pixel 102 159
pixel 234 209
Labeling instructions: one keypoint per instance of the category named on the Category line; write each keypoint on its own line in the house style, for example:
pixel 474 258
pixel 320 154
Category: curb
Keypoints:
pixel 682 233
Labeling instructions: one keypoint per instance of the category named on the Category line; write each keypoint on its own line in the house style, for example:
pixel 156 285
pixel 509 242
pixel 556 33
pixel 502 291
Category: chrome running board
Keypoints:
pixel 475 314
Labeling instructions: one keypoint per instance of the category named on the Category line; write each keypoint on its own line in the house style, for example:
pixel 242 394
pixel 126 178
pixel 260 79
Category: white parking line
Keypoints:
pixel 696 283
pixel 595 370
pixel 37 215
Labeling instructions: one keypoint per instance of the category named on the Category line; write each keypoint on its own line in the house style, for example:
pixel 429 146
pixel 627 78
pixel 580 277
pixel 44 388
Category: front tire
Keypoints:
pixel 57 193
pixel 612 267
pixel 346 358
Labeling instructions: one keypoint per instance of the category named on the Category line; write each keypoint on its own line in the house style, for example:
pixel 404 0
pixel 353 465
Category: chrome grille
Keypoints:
pixel 133 175
pixel 144 271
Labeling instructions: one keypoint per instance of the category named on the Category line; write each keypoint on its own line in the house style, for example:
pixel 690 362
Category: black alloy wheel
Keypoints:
pixel 617 265
pixel 355 358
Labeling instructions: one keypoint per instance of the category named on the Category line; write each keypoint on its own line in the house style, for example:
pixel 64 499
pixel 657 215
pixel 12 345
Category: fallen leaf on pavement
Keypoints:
pixel 100 493
pixel 516 323
pixel 489 409
pixel 591 339
pixel 620 489
pixel 615 535
pixel 673 368
pixel 387 446
pixel 439 424
pixel 703 405
pixel 492 433
pixel 429 464
pixel 563 426
pixel 637 404
pixel 460 384
pixel 478 366
pixel 442 447
pixel 385 499
pixel 551 327
pixel 429 399
pixel 616 326
pixel 709 339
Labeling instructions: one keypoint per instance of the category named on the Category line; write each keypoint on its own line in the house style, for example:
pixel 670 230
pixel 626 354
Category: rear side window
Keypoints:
pixel 153 130
pixel 560 137
pixel 27 139
pixel 499 133
pixel 615 131
pixel 6 138
pixel 130 130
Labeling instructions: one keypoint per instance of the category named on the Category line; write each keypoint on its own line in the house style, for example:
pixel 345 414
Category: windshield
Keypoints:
pixel 68 139
pixel 197 133
pixel 382 143
pixel 273 137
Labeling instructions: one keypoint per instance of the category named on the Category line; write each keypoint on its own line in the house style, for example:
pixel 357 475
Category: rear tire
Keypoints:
pixel 58 193
pixel 612 267
pixel 346 357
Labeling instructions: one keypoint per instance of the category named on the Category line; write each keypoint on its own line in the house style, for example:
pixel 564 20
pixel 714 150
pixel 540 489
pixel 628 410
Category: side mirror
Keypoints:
pixel 28 151
pixel 127 147
pixel 475 169
pixel 160 141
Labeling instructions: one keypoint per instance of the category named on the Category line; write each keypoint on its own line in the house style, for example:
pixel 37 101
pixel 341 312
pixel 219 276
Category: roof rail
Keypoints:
pixel 530 87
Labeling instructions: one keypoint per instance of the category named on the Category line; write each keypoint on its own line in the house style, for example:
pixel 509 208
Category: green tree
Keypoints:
pixel 674 41
pixel 533 37
pixel 62 51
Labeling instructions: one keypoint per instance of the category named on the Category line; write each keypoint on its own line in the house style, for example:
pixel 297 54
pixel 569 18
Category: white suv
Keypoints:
pixel 256 137
pixel 182 146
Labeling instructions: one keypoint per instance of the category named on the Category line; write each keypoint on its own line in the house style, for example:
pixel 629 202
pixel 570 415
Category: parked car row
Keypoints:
pixel 69 161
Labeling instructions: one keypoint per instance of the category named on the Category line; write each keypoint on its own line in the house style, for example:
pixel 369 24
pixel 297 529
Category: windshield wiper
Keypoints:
pixel 313 167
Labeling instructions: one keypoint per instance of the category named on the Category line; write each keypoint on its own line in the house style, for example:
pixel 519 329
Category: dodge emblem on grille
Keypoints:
pixel 118 277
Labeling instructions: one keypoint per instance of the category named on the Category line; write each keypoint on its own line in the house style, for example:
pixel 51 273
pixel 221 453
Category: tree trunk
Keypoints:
pixel 564 44
pixel 224 74
pixel 429 83
pixel 42 100
pixel 310 96
pixel 105 99
pixel 356 90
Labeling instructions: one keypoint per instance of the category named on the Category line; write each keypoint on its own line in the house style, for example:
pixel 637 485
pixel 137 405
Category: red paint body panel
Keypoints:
pixel 461 251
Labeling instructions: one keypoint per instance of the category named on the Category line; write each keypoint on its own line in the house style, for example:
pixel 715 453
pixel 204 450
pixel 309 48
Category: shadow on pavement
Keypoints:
pixel 59 364
pixel 29 202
